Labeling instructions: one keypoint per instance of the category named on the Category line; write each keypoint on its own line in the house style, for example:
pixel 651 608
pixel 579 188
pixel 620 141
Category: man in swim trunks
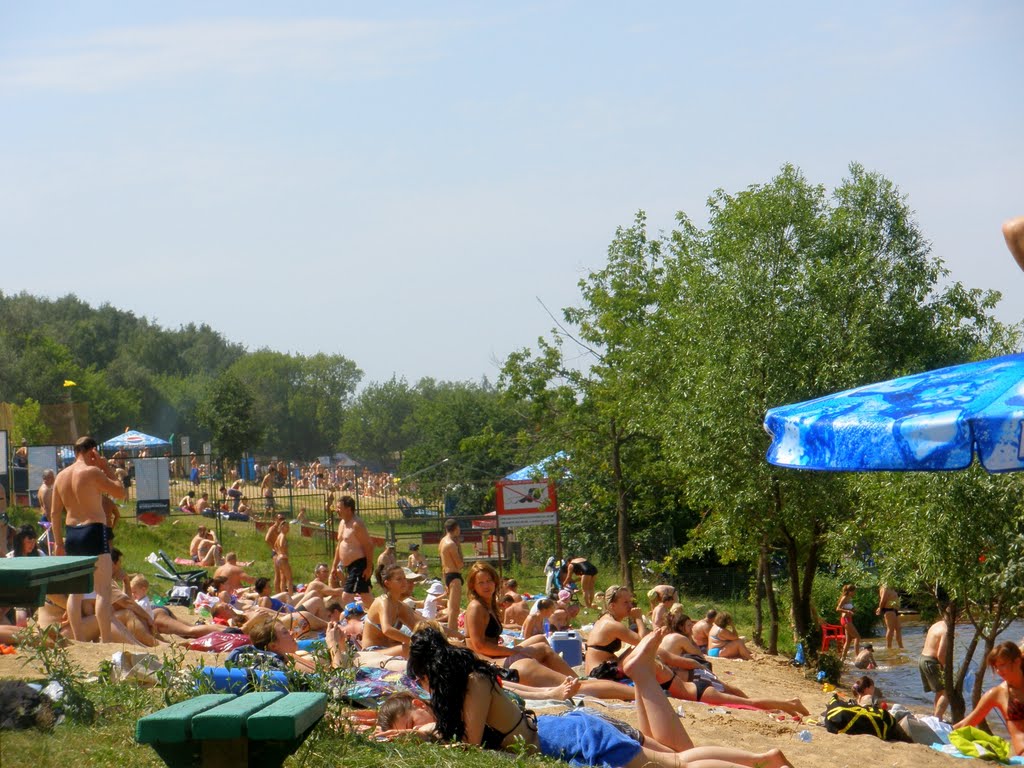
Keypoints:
pixel 79 489
pixel 450 550
pixel 930 665
pixel 354 553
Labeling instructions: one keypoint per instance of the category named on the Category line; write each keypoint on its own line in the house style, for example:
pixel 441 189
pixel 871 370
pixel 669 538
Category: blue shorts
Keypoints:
pixel 714 651
pixel 584 738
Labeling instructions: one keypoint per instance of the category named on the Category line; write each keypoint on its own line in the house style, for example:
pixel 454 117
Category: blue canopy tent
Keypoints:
pixel 933 421
pixel 132 439
pixel 540 469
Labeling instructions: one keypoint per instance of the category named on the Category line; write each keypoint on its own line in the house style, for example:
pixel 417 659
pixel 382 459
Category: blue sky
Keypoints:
pixel 401 184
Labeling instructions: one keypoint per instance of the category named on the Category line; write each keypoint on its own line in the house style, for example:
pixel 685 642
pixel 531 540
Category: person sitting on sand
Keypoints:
pixel 382 626
pixel 187 505
pixel 468 705
pixel 724 642
pixel 270 636
pixel 164 621
pixel 204 549
pixel 661 598
pixel 539 615
pixel 864 692
pixel 700 630
pixel 1008 697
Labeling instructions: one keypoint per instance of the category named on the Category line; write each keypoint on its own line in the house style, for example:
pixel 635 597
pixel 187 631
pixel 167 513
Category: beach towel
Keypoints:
pixel 949 749
pixel 372 685
pixel 974 742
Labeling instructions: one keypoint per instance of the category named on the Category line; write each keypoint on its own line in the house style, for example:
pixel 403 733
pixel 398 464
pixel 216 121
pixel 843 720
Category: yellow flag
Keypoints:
pixel 69 383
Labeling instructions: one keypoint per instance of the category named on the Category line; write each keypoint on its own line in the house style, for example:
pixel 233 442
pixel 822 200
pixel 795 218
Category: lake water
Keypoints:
pixel 898 678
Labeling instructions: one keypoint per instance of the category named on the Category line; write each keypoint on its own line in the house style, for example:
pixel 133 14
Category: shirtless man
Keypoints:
pixel 79 489
pixel 187 503
pixel 931 665
pixel 283 581
pixel 203 504
pixel 386 558
pixel 267 486
pixel 889 609
pixel 45 495
pixel 233 572
pixel 318 593
pixel 354 552
pixel 450 550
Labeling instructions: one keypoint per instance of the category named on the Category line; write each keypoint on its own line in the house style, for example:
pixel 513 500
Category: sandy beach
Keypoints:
pixel 753 730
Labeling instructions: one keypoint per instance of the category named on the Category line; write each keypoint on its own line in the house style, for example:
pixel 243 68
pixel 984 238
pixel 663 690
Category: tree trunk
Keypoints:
pixel 953 693
pixel 773 610
pixel 625 572
pixel 758 597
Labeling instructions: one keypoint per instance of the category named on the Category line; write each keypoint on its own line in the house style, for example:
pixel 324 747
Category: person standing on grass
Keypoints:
pixel 354 553
pixel 79 490
pixel 450 550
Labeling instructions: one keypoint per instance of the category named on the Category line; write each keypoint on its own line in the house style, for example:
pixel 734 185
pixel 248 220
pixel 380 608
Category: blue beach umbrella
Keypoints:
pixel 133 439
pixel 933 421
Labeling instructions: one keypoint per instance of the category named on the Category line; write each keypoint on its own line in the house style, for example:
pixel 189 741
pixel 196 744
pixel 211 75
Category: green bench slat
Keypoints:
pixel 228 720
pixel 288 717
pixel 173 725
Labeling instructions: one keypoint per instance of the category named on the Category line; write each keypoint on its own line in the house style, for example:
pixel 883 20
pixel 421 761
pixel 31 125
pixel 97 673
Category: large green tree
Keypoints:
pixel 789 294
pixel 228 412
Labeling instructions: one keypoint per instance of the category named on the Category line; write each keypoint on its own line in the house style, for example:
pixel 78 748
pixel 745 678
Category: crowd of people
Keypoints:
pixel 468 637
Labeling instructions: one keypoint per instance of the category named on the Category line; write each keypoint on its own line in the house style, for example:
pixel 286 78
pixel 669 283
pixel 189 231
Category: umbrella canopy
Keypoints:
pixel 929 421
pixel 540 469
pixel 133 439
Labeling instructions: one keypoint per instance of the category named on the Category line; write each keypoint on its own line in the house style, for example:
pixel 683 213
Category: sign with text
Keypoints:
pixel 522 503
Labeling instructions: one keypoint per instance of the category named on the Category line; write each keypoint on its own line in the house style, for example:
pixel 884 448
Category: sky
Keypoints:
pixel 415 185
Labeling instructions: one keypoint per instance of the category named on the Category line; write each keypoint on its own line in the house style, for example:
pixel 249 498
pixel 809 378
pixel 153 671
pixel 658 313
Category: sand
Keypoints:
pixel 753 730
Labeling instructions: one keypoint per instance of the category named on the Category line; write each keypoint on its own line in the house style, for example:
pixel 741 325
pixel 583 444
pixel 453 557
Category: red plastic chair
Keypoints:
pixel 830 633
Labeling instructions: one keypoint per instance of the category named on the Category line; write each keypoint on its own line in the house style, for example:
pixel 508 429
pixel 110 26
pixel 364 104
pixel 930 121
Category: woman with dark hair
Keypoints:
pixel 25 543
pixel 468 704
pixel 1008 697
pixel 388 613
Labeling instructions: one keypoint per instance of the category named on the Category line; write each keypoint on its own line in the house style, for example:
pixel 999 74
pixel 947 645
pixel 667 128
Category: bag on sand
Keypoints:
pixel 842 716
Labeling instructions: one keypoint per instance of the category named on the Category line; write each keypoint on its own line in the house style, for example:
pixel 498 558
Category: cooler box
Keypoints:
pixel 569 645
pixel 244 679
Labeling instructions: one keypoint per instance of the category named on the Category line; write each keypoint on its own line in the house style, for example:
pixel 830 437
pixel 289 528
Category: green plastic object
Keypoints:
pixel 288 717
pixel 174 724
pixel 228 721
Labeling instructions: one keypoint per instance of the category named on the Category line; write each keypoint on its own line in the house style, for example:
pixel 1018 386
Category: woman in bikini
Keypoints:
pixel 469 705
pixel 723 640
pixel 533 657
pixel 889 609
pixel 1008 697
pixel 845 609
pixel 609 634
pixel 382 626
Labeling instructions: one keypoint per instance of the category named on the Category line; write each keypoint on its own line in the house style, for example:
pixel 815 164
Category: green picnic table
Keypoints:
pixel 26 581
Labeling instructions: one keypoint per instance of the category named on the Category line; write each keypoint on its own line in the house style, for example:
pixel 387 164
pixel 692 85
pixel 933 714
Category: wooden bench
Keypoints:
pixel 223 730
pixel 26 581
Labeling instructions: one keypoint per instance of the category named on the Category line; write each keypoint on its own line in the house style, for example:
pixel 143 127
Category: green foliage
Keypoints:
pixel 46 647
pixel 228 412
pixel 831 665
pixel 28 424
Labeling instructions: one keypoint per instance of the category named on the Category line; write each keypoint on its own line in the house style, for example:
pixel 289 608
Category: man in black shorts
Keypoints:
pixel 79 489
pixel 354 553
pixel 450 551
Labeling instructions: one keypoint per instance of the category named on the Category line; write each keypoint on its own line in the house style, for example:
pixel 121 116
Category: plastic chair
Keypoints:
pixel 830 632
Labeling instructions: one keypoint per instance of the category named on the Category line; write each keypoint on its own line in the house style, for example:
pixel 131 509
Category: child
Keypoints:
pixel 866 658
pixel 865 693
pixel 433 604
pixel 540 614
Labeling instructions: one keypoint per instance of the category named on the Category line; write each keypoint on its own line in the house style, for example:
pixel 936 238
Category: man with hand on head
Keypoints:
pixel 79 490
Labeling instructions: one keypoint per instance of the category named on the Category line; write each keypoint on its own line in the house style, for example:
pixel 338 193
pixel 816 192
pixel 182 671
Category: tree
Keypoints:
pixel 597 412
pixel 375 427
pixel 790 294
pixel 28 424
pixel 228 411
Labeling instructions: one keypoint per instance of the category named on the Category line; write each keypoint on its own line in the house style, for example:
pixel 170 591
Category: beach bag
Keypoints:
pixel 842 716
pixel 219 642
pixel 974 742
